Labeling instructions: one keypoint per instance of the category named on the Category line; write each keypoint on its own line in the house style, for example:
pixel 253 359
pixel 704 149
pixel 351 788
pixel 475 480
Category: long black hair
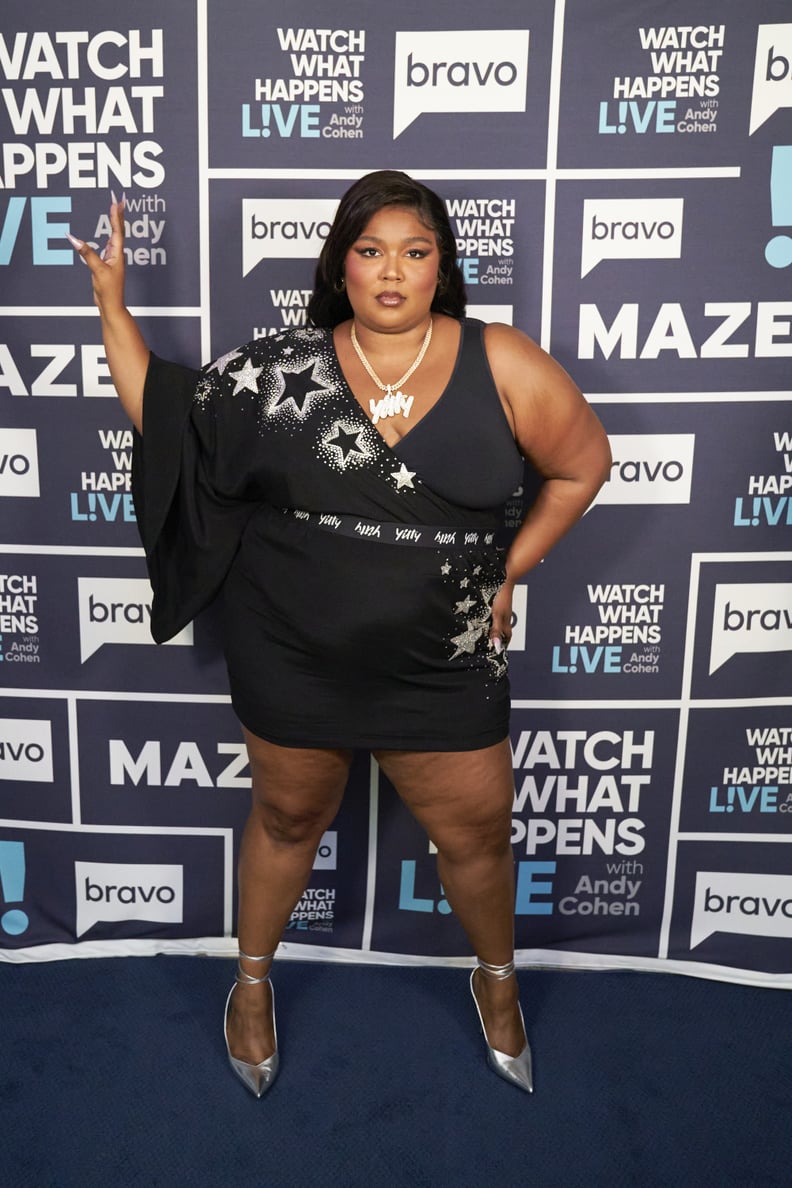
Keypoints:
pixel 329 303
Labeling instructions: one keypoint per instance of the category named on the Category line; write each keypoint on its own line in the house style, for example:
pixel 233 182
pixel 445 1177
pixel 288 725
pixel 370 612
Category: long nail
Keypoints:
pixel 115 200
pixel 75 242
pixel 123 198
pixel 497 644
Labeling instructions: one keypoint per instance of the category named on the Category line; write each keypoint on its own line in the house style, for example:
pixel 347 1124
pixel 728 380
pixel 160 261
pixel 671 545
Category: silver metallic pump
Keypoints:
pixel 258 1078
pixel 517 1070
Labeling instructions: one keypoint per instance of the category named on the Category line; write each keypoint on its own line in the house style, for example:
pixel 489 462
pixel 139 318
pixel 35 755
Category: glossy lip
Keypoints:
pixel 390 297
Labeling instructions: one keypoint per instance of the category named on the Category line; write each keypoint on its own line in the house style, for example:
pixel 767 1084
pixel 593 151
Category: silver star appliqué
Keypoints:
pixel 297 387
pixel 346 442
pixel 466 641
pixel 463 607
pixel 445 568
pixel 246 378
pixel 220 364
pixel 403 477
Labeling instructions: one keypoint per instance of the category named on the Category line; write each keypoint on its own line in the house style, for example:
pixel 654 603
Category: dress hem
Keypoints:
pixel 478 742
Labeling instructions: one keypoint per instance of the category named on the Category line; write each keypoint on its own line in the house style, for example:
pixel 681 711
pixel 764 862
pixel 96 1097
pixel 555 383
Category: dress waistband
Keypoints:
pixel 427 535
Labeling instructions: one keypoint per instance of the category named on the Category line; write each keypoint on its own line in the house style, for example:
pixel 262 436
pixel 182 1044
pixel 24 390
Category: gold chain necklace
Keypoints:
pixel 394 401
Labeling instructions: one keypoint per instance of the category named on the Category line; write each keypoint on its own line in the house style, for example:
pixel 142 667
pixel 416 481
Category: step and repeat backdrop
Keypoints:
pixel 619 179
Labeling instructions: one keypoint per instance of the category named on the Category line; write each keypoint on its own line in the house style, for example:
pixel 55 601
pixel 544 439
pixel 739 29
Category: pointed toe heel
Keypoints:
pixel 517 1070
pixel 257 1078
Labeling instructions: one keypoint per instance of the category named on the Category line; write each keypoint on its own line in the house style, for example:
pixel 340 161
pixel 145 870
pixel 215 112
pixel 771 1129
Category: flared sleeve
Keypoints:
pixel 189 525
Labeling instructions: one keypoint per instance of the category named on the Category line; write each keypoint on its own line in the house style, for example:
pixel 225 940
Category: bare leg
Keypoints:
pixel 464 801
pixel 296 794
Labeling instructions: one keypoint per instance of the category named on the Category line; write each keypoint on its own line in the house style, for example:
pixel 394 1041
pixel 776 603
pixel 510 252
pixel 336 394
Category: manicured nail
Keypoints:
pixel 115 200
pixel 123 198
pixel 74 241
pixel 497 644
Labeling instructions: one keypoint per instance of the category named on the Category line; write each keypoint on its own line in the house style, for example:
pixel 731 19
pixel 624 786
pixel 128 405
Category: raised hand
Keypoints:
pixel 126 350
pixel 108 268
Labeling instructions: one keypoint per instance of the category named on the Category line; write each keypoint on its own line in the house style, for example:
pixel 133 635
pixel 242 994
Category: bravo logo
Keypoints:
pixel 649 468
pixel 630 229
pixel 750 617
pixel 748 904
pixel 26 750
pixel 114 891
pixel 118 610
pixel 772 81
pixel 474 70
pixel 284 228
pixel 19 475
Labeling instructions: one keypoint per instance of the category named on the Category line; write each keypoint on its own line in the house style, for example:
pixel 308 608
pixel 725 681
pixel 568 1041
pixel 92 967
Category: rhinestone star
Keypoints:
pixel 446 568
pixel 498 664
pixel 347 442
pixel 464 583
pixel 463 607
pixel 220 364
pixel 466 641
pixel 298 386
pixel 203 391
pixel 246 378
pixel 404 477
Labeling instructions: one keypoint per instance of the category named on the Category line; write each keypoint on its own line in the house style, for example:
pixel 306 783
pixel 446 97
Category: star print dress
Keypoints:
pixel 356 578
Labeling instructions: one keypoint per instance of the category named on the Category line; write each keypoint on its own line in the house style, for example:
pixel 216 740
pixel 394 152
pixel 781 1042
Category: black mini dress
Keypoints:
pixel 357 578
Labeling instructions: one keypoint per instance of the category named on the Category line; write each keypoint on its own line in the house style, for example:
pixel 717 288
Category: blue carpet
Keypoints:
pixel 114 1073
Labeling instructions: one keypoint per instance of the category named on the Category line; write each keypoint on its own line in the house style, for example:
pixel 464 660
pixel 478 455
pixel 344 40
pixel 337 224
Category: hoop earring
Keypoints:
pixel 339 286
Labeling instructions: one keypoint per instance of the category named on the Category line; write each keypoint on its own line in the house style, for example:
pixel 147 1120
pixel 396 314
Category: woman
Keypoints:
pixel 341 483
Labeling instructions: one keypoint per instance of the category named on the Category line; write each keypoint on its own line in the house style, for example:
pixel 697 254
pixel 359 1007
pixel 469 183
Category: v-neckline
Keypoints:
pixel 416 424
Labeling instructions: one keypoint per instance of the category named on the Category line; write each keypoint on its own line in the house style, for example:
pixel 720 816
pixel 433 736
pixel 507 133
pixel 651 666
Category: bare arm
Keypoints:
pixel 559 433
pixel 127 353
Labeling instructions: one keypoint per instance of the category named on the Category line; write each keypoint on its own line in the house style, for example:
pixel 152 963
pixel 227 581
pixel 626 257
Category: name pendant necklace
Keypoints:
pixel 394 401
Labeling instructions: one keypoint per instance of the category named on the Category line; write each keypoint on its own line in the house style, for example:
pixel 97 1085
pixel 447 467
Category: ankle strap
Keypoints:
pixel 266 957
pixel 243 978
pixel 499 972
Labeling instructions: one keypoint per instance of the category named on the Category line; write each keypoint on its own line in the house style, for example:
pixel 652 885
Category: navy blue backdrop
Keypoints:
pixel 619 179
